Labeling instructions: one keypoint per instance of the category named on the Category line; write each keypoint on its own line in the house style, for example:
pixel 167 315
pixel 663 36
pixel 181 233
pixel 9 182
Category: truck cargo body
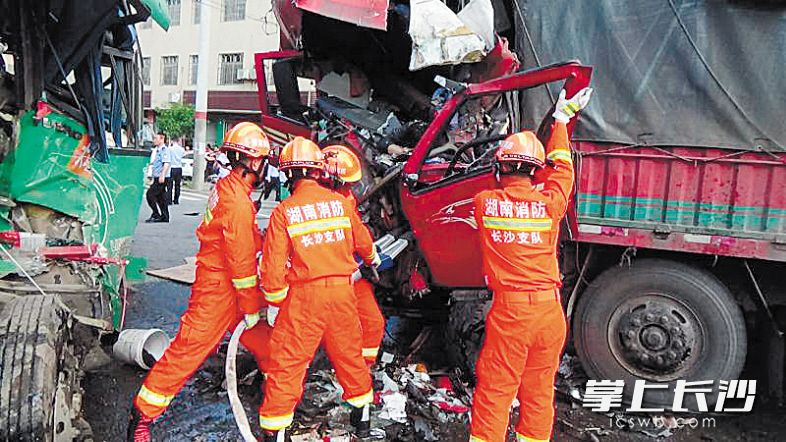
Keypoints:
pixel 688 199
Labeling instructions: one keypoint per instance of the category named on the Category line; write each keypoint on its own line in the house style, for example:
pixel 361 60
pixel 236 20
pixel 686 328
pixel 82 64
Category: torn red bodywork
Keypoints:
pixel 366 13
pixel 371 14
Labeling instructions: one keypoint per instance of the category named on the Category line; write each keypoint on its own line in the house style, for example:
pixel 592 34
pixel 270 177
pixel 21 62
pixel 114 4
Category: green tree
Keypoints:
pixel 176 121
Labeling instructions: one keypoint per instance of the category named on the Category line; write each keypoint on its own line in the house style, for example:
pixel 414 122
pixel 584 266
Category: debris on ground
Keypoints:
pixel 409 404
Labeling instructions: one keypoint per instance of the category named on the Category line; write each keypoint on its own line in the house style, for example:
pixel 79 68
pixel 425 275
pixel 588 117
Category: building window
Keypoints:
pixel 228 66
pixel 174 12
pixel 169 70
pixel 233 10
pixel 193 63
pixel 146 71
pixel 196 11
pixel 147 24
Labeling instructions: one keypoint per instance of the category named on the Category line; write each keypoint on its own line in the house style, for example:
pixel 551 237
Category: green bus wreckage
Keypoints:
pixel 68 202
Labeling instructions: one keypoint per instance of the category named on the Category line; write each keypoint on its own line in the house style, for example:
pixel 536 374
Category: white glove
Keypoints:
pixel 272 314
pixel 251 320
pixel 377 261
pixel 567 108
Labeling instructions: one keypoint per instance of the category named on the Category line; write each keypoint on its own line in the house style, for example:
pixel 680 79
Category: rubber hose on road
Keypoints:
pixel 230 369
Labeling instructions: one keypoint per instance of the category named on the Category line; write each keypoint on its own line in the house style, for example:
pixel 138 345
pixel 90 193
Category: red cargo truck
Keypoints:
pixel 673 249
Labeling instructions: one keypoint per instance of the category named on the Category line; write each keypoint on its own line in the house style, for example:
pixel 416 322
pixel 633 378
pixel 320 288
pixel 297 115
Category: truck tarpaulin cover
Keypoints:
pixel 670 72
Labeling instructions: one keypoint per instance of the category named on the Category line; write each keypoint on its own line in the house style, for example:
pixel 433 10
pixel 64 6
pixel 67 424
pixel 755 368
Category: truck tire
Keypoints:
pixel 464 333
pixel 661 321
pixel 32 335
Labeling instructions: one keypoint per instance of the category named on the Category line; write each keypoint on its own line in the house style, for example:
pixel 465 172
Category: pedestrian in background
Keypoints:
pixel 223 167
pixel 272 181
pixel 210 160
pixel 156 193
pixel 176 153
pixel 147 134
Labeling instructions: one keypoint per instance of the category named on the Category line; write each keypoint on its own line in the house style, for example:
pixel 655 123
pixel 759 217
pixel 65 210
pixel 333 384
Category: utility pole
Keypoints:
pixel 200 114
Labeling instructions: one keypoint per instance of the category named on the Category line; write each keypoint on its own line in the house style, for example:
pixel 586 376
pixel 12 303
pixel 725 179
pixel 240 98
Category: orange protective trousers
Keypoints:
pixel 525 335
pixel 372 322
pixel 212 311
pixel 322 310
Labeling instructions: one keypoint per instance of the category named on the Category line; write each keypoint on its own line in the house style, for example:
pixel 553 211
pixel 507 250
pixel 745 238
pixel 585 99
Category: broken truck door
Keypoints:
pixel 452 163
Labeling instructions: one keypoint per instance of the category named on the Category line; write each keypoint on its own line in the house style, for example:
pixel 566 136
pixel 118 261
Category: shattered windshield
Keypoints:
pixel 473 133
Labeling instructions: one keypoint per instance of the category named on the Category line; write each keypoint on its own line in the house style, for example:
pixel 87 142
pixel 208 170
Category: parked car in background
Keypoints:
pixel 188 165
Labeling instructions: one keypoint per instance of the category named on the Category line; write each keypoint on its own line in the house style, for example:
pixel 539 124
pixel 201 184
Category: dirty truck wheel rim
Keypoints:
pixel 655 336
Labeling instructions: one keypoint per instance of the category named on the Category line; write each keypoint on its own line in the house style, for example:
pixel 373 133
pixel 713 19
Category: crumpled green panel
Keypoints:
pixel 37 170
pixel 46 169
pixel 159 11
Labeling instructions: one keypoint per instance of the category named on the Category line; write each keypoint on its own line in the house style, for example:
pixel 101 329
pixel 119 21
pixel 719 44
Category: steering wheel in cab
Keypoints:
pixel 462 151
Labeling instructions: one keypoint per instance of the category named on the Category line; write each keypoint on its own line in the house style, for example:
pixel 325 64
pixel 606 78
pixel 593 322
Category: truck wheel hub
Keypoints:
pixel 655 336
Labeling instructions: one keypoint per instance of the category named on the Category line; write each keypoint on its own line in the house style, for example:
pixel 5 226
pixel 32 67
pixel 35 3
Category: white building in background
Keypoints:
pixel 238 30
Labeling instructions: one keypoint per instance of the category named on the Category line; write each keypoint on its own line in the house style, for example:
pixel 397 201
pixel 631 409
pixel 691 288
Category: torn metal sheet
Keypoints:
pixel 366 13
pixel 439 37
pixel 159 12
pixel 50 168
pixel 479 16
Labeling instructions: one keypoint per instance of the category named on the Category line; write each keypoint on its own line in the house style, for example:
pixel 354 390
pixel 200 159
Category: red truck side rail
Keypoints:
pixel 688 199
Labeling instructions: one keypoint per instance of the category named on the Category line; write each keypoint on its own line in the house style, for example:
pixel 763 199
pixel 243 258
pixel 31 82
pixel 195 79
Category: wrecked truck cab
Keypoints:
pixel 425 195
pixel 71 184
pixel 437 197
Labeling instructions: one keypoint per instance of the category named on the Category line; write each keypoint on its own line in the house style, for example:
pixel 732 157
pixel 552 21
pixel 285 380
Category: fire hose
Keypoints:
pixel 389 248
pixel 231 374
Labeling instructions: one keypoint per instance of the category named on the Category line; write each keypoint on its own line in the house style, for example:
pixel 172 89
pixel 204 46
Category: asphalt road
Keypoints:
pixel 201 411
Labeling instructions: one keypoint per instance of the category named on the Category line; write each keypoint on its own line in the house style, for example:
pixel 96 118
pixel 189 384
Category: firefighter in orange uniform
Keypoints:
pixel 226 289
pixel 525 328
pixel 316 230
pixel 343 169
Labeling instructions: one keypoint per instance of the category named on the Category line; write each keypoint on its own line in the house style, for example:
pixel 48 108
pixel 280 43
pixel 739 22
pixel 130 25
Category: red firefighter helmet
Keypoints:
pixel 522 148
pixel 301 153
pixel 341 163
pixel 248 139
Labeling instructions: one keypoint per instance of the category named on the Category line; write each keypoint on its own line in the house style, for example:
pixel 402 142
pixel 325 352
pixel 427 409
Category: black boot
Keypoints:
pixel 138 427
pixel 360 418
pixel 274 436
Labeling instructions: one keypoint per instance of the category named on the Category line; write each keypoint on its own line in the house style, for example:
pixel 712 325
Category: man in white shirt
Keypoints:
pixel 156 193
pixel 223 165
pixel 176 153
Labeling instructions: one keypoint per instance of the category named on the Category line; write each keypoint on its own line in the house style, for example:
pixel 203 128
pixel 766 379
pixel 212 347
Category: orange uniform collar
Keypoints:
pixel 238 174
pixel 516 180
pixel 306 183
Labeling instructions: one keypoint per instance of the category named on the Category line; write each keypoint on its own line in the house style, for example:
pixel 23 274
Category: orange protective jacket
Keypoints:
pixel 314 223
pixel 230 239
pixel 372 321
pixel 519 223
